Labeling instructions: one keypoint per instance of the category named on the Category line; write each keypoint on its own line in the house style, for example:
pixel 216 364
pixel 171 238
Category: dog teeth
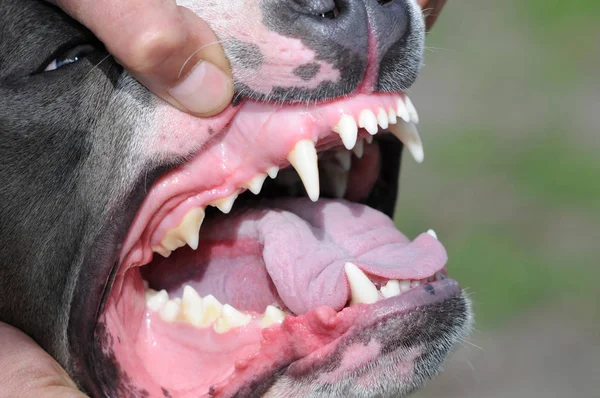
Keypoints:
pixel 348 131
pixel 408 134
pixel 186 232
pixel 225 204
pixel 334 179
pixel 344 158
pixel 432 233
pixel 361 288
pixel 191 306
pixel 211 309
pixel 272 316
pixel 170 311
pixel 273 171
pixel 392 117
pixel 382 118
pixel 162 251
pixel 391 289
pixel 255 184
pixel 412 111
pixel 230 318
pixel 359 149
pixel 368 121
pixel 404 286
pixel 402 112
pixel 304 159
pixel 156 300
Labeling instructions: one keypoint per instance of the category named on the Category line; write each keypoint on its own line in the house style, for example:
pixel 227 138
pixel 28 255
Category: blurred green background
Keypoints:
pixel 510 106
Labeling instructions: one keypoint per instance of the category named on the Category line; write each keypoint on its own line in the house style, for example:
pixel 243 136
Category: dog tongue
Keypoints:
pixel 304 247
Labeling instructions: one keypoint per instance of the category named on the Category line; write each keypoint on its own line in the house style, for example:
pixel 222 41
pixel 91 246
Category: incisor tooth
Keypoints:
pixel 304 159
pixel 272 316
pixel 361 287
pixel 157 301
pixel 348 131
pixel 412 111
pixel 344 158
pixel 225 204
pixel 256 183
pixel 391 289
pixel 402 112
pixel 211 310
pixel 191 306
pixel 432 233
pixel 368 121
pixel 230 318
pixel 359 149
pixel 392 117
pixel 408 134
pixel 382 118
pixel 170 311
pixel 272 172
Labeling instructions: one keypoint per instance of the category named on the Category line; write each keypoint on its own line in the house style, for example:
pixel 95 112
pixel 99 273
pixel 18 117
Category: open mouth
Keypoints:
pixel 230 276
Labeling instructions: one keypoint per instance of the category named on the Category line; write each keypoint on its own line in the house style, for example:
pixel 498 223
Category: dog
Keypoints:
pixel 250 254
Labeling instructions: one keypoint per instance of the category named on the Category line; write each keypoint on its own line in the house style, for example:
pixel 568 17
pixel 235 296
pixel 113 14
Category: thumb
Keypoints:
pixel 28 371
pixel 166 47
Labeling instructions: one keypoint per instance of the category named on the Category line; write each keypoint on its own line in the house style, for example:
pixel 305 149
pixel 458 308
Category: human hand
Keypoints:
pixel 168 48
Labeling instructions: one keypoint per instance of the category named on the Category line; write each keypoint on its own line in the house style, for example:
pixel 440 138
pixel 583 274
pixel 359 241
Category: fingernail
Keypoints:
pixel 204 90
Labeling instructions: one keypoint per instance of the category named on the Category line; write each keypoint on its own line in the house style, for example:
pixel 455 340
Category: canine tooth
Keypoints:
pixel 412 111
pixel 404 286
pixel 170 311
pixel 230 318
pixel 304 159
pixel 272 316
pixel 157 301
pixel 361 287
pixel 344 158
pixel 255 184
pixel 211 309
pixel 359 149
pixel 225 204
pixel 191 306
pixel 382 118
pixel 432 233
pixel 368 121
pixel 408 134
pixel 348 131
pixel 162 251
pixel 391 289
pixel 392 117
pixel 272 172
pixel 402 112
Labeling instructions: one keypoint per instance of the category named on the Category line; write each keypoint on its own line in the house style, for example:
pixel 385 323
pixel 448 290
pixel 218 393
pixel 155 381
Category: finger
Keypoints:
pixel 28 371
pixel 432 10
pixel 167 47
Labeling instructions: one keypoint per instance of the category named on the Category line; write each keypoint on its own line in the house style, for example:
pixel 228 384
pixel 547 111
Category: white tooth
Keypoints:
pixel 344 158
pixel 162 251
pixel 415 283
pixel 391 289
pixel 361 287
pixel 170 311
pixel 272 316
pixel 392 117
pixel 359 149
pixel 211 310
pixel 225 204
pixel 404 286
pixel 256 183
pixel 348 131
pixel 148 293
pixel 369 139
pixel 186 232
pixel 412 111
pixel 408 134
pixel 382 118
pixel 191 306
pixel 334 180
pixel 402 112
pixel 304 159
pixel 272 172
pixel 230 318
pixel 172 242
pixel 432 233
pixel 368 121
pixel 157 301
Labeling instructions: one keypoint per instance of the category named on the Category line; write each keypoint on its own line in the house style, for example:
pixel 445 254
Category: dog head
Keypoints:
pixel 114 257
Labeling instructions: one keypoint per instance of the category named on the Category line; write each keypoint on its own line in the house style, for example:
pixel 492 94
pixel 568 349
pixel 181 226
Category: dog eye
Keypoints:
pixel 69 57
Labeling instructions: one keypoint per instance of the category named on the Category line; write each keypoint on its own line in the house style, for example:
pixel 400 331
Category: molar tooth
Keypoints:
pixel 272 316
pixel 408 134
pixel 392 117
pixel 170 311
pixel 432 233
pixel 225 204
pixel 230 318
pixel 334 179
pixel 361 287
pixel 344 158
pixel 412 111
pixel 368 121
pixel 191 306
pixel 256 183
pixel 348 131
pixel 304 159
pixel 272 172
pixel 359 149
pixel 186 232
pixel 211 310
pixel 404 286
pixel 382 118
pixel 391 289
pixel 402 112
pixel 415 283
pixel 157 301
pixel 162 251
